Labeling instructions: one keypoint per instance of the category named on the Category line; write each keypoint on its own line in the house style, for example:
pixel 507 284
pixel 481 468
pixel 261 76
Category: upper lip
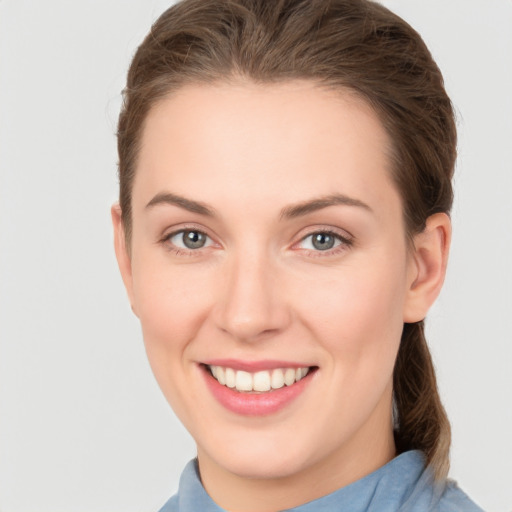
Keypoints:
pixel 255 366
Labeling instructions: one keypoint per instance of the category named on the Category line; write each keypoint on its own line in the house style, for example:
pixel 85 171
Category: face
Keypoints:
pixel 268 253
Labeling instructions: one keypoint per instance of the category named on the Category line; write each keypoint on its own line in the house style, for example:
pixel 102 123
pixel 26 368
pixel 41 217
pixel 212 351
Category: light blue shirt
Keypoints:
pixel 402 485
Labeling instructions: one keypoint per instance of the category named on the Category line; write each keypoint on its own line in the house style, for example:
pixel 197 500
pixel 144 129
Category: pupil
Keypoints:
pixel 323 241
pixel 193 239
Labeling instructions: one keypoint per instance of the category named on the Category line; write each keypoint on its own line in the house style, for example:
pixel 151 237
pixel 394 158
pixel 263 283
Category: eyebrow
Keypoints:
pixel 313 205
pixel 182 202
pixel 288 212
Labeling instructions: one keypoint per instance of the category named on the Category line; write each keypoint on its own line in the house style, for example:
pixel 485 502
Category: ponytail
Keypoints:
pixel 421 421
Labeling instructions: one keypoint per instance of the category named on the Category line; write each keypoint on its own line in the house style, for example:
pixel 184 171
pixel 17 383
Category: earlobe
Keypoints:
pixel 122 252
pixel 429 260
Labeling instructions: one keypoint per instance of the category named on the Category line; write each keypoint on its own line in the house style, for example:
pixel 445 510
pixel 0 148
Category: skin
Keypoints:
pixel 260 290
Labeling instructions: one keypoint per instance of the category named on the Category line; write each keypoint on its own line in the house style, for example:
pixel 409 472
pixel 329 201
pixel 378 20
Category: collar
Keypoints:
pixel 403 484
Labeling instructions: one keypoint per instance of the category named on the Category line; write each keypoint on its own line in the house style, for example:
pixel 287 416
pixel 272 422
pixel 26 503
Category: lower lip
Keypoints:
pixel 255 404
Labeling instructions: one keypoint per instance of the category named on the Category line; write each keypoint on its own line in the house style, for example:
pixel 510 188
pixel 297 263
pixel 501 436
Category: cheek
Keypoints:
pixel 172 305
pixel 169 300
pixel 358 318
pixel 171 311
pixel 357 299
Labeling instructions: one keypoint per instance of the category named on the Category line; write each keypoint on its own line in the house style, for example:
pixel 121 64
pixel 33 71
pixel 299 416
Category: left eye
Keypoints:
pixel 321 241
pixel 190 239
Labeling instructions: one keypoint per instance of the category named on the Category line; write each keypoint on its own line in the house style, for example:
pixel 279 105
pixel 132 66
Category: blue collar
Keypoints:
pixel 402 485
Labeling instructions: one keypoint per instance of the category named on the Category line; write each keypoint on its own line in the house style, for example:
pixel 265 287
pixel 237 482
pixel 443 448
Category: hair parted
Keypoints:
pixel 355 45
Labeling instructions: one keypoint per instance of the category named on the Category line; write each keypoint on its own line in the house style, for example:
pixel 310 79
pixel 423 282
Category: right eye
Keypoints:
pixel 189 239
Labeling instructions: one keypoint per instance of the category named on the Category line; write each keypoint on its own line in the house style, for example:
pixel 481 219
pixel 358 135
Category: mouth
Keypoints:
pixel 256 389
pixel 262 381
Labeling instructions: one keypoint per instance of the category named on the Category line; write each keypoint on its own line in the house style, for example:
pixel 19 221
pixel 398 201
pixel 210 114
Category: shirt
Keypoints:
pixel 403 485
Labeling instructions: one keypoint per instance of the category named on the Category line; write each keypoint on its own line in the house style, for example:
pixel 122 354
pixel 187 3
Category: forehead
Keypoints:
pixel 275 142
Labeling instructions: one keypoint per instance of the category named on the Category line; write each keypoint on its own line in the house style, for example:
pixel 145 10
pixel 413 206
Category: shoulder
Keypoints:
pixel 455 499
pixel 171 505
pixel 191 495
pixel 414 487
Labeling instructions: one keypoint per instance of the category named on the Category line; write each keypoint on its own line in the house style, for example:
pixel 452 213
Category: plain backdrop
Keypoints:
pixel 83 426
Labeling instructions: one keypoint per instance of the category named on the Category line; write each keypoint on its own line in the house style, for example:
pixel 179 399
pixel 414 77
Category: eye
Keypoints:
pixel 190 239
pixel 323 241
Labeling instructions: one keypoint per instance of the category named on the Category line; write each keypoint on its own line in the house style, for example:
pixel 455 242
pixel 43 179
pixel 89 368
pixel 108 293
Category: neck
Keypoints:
pixel 360 457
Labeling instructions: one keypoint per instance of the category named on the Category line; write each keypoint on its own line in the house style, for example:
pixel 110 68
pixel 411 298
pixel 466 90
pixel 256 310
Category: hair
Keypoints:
pixel 354 45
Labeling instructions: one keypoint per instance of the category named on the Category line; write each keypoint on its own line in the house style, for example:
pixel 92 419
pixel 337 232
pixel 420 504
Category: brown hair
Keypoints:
pixel 342 44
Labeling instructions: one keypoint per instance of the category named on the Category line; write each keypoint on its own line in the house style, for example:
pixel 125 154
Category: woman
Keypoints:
pixel 285 183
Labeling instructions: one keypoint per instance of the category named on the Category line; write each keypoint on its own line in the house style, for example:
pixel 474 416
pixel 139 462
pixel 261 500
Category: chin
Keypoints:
pixel 262 457
pixel 262 467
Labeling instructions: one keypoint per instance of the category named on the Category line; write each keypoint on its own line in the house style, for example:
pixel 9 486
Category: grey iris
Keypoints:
pixel 323 241
pixel 194 239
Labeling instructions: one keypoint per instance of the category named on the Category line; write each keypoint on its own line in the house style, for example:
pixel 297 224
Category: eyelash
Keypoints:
pixel 344 242
pixel 179 251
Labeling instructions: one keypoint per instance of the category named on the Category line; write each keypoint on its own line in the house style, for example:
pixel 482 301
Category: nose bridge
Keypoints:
pixel 251 305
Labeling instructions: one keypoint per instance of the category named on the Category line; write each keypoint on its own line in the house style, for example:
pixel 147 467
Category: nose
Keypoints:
pixel 251 304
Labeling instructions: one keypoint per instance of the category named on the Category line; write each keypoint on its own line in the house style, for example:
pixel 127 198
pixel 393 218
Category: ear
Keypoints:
pixel 427 269
pixel 122 252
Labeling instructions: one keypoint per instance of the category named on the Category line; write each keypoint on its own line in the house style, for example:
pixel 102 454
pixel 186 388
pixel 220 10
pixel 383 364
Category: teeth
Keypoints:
pixel 277 380
pixel 220 375
pixel 259 381
pixel 243 381
pixel 230 377
pixel 289 376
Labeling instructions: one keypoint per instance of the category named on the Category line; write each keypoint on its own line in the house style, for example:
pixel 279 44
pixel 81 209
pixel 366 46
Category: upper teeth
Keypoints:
pixel 258 381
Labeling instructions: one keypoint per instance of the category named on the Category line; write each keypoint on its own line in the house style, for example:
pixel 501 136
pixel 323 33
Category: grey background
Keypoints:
pixel 83 426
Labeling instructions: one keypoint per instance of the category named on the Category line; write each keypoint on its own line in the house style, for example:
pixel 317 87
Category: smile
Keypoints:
pixel 256 388
pixel 257 382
